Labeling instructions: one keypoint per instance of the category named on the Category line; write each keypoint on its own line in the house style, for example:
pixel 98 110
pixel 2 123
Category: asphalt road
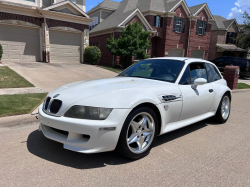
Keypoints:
pixel 203 154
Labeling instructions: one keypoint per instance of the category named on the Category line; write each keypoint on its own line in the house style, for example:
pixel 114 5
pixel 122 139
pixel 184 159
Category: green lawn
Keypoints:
pixel 20 104
pixel 243 86
pixel 10 79
pixel 116 70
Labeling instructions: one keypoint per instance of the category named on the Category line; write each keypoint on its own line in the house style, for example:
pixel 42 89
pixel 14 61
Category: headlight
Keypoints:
pixel 86 112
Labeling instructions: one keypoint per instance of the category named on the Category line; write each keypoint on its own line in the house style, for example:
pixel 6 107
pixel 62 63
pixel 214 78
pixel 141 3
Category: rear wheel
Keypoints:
pixel 224 109
pixel 138 134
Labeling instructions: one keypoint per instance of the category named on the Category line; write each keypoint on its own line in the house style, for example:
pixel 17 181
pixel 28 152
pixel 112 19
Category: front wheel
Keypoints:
pixel 224 109
pixel 138 134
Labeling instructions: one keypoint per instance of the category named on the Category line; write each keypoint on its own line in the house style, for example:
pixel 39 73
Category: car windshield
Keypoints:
pixel 157 69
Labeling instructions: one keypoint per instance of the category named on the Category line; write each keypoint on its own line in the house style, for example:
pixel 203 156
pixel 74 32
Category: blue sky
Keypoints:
pixel 227 8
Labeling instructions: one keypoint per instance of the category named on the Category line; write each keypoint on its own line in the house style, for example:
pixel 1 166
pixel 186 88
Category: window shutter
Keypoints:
pixel 197 27
pixel 175 20
pixel 155 21
pixel 183 25
pixel 161 22
pixel 205 28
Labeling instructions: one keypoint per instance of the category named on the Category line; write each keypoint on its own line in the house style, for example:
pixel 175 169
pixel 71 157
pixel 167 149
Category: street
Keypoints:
pixel 203 154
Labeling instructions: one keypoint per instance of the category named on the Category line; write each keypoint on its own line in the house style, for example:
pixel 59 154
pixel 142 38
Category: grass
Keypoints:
pixel 10 79
pixel 116 70
pixel 243 86
pixel 20 104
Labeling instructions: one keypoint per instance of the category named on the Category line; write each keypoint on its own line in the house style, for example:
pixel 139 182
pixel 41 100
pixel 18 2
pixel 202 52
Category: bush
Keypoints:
pixel 92 55
pixel 1 51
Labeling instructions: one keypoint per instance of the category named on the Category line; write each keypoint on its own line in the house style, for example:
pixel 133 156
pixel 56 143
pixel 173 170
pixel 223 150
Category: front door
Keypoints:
pixel 195 101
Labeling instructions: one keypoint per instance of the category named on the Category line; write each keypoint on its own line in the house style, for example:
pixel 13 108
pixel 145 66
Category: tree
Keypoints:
pixel 1 51
pixel 244 36
pixel 92 55
pixel 133 42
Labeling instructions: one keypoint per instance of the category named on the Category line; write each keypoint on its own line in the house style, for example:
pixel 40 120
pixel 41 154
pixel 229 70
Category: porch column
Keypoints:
pixel 84 43
pixel 45 42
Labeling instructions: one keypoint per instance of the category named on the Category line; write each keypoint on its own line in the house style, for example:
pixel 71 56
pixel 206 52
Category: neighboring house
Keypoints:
pixel 43 30
pixel 177 30
pixel 223 39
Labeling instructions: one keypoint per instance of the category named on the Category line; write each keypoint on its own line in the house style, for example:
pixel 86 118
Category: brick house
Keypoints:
pixel 223 39
pixel 43 30
pixel 177 30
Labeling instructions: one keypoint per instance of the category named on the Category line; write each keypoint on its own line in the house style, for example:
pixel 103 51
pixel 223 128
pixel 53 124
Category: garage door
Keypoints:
pixel 197 54
pixel 20 43
pixel 65 46
pixel 175 52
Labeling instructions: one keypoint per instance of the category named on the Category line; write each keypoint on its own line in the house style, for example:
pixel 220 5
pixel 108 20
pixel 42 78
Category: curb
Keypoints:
pixel 241 90
pixel 20 120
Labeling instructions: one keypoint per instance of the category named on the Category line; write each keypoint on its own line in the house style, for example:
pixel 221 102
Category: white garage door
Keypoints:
pixel 65 46
pixel 20 43
pixel 197 54
pixel 175 52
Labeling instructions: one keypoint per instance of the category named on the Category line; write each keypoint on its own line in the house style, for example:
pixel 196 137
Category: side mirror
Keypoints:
pixel 199 82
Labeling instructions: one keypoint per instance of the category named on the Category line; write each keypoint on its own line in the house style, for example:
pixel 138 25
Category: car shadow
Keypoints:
pixel 54 152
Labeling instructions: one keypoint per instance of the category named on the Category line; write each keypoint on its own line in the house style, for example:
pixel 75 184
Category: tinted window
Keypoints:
pixel 197 70
pixel 229 61
pixel 212 73
pixel 186 80
pixel 158 69
pixel 219 60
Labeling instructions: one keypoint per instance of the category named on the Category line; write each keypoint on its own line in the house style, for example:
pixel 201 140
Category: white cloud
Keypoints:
pixel 240 7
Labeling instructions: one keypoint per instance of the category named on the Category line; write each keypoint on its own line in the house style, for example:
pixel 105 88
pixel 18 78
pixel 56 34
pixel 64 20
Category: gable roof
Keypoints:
pixel 196 8
pixel 107 4
pixel 73 5
pixel 222 23
pixel 126 10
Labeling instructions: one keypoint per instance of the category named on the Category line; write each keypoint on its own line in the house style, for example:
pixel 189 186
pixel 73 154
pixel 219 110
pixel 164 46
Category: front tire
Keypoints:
pixel 224 109
pixel 138 134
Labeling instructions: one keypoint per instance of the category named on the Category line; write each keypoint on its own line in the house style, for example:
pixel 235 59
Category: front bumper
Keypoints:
pixel 81 135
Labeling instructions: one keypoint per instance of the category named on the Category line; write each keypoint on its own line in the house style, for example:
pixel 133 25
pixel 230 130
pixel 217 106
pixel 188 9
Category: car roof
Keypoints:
pixel 233 57
pixel 185 59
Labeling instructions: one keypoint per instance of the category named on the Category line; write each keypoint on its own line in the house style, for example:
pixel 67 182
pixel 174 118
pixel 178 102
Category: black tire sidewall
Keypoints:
pixel 122 146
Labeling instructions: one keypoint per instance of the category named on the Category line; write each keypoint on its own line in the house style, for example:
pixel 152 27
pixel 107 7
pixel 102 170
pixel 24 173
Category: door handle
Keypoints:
pixel 211 90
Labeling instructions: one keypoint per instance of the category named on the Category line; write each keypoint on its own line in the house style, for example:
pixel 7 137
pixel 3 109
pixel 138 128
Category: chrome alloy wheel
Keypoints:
pixel 225 107
pixel 140 133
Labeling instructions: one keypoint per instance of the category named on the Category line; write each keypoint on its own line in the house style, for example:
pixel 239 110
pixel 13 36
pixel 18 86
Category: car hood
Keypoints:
pixel 84 89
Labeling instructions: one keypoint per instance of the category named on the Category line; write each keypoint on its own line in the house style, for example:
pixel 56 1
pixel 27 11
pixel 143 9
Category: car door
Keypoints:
pixel 195 101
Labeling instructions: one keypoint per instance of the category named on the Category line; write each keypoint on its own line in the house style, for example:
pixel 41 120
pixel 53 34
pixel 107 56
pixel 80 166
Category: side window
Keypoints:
pixel 219 60
pixel 197 70
pixel 185 80
pixel 242 63
pixel 213 74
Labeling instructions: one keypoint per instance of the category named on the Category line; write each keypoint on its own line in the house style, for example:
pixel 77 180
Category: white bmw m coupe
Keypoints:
pixel 128 112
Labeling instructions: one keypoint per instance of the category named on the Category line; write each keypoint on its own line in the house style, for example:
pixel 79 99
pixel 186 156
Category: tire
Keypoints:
pixel 137 138
pixel 221 117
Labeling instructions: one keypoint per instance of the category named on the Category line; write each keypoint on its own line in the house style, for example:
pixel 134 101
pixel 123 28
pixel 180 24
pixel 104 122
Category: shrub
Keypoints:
pixel 92 55
pixel 1 51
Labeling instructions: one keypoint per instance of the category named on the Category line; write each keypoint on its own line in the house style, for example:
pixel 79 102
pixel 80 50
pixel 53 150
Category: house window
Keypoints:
pixel 231 38
pixel 201 27
pixel 179 24
pixel 93 23
pixel 158 21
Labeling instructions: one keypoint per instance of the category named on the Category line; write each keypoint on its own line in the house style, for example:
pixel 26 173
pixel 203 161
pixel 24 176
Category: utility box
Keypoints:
pixel 231 75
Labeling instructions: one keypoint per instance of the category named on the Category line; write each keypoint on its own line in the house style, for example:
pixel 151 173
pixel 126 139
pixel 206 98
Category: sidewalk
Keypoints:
pixel 14 91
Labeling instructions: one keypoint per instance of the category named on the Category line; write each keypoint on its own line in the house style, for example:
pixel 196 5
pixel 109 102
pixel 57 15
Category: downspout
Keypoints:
pixel 189 35
pixel 113 63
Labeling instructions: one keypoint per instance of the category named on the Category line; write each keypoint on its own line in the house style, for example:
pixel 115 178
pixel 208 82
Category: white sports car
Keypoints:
pixel 128 112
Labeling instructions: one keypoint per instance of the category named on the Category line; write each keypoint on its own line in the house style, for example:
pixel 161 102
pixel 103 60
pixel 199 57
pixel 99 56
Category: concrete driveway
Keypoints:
pixel 50 76
pixel 203 154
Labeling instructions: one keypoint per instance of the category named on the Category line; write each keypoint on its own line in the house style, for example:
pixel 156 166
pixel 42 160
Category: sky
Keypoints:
pixel 230 9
